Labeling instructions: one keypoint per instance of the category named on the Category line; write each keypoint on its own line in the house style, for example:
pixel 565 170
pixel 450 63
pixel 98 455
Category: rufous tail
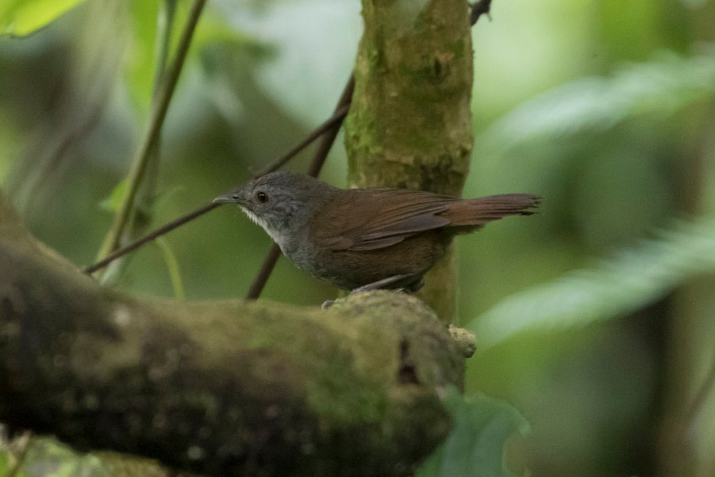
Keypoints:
pixel 474 213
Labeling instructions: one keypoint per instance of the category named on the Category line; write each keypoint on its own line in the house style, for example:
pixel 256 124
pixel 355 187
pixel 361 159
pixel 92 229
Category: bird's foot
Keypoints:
pixel 411 283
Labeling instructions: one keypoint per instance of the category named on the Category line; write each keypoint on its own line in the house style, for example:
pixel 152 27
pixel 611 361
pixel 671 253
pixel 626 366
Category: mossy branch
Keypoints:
pixel 220 388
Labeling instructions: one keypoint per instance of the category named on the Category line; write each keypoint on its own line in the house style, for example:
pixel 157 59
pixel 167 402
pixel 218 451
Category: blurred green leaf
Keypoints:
pixel 694 3
pixel 172 264
pixel 23 17
pixel 660 87
pixel 615 287
pixel 5 466
pixel 475 447
pixel 307 72
pixel 140 59
pixel 50 458
pixel 115 199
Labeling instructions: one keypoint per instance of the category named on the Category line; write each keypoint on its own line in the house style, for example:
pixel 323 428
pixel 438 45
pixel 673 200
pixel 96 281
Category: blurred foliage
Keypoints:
pixel 627 282
pixel 23 17
pixel 476 445
pixel 660 87
pixel 604 107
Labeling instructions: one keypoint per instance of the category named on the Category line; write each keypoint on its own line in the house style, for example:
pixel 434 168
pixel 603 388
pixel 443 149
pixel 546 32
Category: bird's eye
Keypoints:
pixel 262 197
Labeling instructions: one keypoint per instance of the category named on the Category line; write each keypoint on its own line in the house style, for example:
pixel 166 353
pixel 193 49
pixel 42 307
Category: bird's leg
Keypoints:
pixel 410 282
pixel 415 286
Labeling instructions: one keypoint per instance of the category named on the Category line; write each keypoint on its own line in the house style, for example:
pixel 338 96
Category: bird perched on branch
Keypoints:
pixel 364 239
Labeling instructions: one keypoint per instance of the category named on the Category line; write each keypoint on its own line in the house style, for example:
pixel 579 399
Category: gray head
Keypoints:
pixel 283 203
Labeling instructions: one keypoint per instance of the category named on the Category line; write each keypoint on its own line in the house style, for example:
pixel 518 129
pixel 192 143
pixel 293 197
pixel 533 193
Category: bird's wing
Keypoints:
pixel 379 218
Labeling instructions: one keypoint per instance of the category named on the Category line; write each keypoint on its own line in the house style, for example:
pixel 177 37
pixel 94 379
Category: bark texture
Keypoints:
pixel 221 388
pixel 410 120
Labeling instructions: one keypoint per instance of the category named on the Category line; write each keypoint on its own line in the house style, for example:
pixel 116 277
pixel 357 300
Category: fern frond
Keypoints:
pixel 660 87
pixel 613 288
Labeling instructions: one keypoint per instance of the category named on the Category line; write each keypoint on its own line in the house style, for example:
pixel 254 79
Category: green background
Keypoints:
pixel 603 107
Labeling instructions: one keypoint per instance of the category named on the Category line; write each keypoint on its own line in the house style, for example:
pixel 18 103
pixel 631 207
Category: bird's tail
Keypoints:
pixel 475 213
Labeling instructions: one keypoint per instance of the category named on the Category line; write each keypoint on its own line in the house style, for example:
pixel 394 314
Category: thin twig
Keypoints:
pixel 312 136
pixel 148 238
pixel 139 164
pixel 259 283
pixel 269 263
pixel 477 9
pixel 146 193
pixel 336 118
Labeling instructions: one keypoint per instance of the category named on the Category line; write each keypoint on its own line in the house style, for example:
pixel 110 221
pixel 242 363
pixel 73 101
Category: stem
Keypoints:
pixel 141 214
pixel 139 164
pixel 152 236
pixel 327 125
pixel 477 9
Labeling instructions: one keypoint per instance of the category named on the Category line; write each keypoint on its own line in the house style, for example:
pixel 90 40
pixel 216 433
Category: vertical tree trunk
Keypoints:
pixel 410 121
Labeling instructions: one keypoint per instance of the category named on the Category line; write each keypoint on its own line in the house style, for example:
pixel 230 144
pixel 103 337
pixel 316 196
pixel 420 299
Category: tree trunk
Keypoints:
pixel 410 120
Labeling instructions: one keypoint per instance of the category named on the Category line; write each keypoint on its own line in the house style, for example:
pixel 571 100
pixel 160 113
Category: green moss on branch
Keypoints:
pixel 220 388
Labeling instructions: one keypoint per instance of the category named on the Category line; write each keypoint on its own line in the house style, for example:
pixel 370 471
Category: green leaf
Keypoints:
pixel 475 447
pixel 694 3
pixel 613 288
pixel 172 264
pixel 334 28
pixel 23 17
pixel 139 65
pixel 6 466
pixel 115 199
pixel 660 87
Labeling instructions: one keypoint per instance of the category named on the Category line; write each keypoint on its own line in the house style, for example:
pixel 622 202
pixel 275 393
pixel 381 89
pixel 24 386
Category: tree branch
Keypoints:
pixel 220 388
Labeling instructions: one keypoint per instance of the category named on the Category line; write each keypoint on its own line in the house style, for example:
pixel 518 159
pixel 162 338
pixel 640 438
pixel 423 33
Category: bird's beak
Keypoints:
pixel 233 197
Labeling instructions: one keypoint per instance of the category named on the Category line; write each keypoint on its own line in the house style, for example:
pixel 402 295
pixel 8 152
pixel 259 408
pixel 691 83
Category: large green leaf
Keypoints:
pixel 660 87
pixel 307 72
pixel 475 447
pixel 613 288
pixel 23 17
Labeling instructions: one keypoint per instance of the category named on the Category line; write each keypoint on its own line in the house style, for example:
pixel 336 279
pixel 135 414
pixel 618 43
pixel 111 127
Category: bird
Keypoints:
pixel 370 238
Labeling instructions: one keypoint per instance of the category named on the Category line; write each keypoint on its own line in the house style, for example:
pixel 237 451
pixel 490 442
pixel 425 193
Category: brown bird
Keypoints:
pixel 362 239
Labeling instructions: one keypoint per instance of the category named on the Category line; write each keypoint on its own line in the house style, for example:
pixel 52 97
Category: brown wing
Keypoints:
pixel 378 218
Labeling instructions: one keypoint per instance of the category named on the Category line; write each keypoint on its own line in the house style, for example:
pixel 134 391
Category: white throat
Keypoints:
pixel 263 225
